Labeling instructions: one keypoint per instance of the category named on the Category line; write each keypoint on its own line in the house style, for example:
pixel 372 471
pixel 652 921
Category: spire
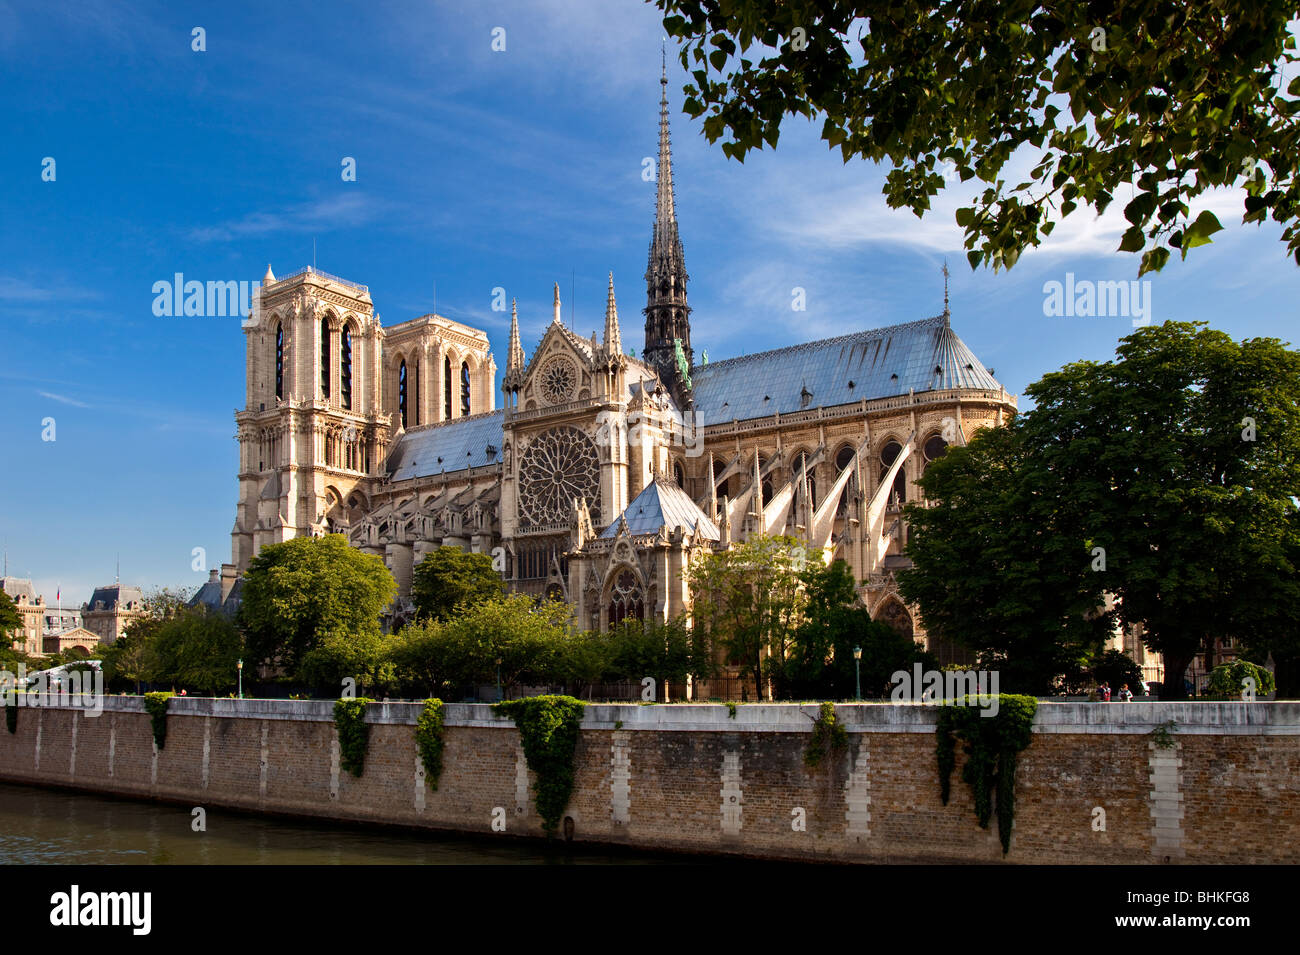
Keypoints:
pixel 515 353
pixel 946 317
pixel 613 339
pixel 667 316
pixel 269 277
pixel 556 306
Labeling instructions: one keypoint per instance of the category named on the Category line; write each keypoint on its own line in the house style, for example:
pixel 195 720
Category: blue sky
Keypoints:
pixel 475 169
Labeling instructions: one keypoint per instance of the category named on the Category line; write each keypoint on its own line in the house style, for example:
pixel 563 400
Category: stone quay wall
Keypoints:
pixel 1092 787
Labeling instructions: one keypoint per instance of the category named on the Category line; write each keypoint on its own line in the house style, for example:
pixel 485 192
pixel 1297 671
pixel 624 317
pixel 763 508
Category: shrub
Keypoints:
pixel 1228 680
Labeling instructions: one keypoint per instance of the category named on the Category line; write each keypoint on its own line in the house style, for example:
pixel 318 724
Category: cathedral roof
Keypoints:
pixel 663 504
pixel 449 446
pixel 878 363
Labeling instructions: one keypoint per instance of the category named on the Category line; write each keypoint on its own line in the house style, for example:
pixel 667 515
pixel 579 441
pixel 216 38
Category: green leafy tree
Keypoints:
pixel 1176 466
pixel 298 591
pixel 1117 669
pixel 10 620
pixel 196 648
pixel 1164 478
pixel 426 660
pixel 449 578
pixel 1157 102
pixel 996 570
pixel 820 663
pixel 749 601
pixel 362 655
pixel 527 638
pixel 132 660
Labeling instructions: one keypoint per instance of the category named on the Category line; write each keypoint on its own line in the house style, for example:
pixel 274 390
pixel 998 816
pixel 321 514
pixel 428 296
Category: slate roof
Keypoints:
pixel 461 443
pixel 116 593
pixel 663 504
pixel 879 363
pixel 18 586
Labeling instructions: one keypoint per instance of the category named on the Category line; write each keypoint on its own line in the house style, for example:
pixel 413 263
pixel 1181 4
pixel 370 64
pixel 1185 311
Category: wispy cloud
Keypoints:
pixel 14 289
pixel 328 214
pixel 64 399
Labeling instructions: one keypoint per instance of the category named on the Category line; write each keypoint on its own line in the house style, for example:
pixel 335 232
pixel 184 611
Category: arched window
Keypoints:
pixel 446 388
pixel 464 388
pixel 279 360
pixel 417 395
pixel 401 393
pixel 625 599
pixel 888 454
pixel 935 447
pixel 767 484
pixel 843 458
pixel 800 462
pixel 345 368
pixel 324 358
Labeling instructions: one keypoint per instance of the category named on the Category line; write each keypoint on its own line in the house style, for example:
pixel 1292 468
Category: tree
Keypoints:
pixel 363 656
pixel 10 619
pixel 196 648
pixel 297 591
pixel 749 600
pixel 669 652
pixel 525 636
pixel 1239 680
pixel 994 568
pixel 1117 669
pixel 1164 478
pixel 132 659
pixel 1173 99
pixel 820 663
pixel 449 578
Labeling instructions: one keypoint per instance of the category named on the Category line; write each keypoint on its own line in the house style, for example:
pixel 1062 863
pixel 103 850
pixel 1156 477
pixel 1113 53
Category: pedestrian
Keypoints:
pixel 1105 692
pixel 1125 695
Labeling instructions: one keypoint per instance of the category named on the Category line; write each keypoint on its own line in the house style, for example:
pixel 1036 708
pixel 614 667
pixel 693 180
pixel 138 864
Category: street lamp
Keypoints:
pixel 500 696
pixel 857 672
pixel 240 667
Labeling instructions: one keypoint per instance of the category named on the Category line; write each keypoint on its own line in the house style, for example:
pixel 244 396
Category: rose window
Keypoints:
pixel 559 467
pixel 558 380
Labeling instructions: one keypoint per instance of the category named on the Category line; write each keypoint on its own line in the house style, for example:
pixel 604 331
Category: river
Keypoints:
pixel 72 828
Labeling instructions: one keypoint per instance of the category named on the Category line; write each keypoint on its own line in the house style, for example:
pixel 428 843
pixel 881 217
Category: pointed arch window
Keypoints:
pixel 464 388
pixel 626 601
pixel 279 360
pixel 324 358
pixel 345 368
pixel 401 393
pixel 446 388
pixel 800 462
pixel 888 454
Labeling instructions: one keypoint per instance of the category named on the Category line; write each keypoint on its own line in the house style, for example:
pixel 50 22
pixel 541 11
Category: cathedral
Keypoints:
pixel 606 469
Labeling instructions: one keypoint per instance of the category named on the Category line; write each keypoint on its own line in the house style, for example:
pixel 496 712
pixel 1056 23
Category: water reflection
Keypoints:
pixel 67 828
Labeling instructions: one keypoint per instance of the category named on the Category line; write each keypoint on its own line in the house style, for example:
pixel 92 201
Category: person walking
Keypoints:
pixel 1105 692
pixel 1125 694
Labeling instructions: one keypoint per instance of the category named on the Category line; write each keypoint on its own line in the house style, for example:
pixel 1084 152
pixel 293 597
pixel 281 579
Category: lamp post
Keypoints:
pixel 500 696
pixel 240 667
pixel 857 672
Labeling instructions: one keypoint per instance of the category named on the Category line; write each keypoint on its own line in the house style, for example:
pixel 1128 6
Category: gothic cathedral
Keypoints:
pixel 604 472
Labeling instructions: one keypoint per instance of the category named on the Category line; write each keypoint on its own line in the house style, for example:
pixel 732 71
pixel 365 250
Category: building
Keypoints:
pixel 604 471
pixel 110 609
pixel 31 608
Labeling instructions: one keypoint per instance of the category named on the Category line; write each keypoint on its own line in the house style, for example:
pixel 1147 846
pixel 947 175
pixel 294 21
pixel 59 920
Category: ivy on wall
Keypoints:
pixel 991 745
pixel 828 735
pixel 354 733
pixel 548 729
pixel 155 704
pixel 429 741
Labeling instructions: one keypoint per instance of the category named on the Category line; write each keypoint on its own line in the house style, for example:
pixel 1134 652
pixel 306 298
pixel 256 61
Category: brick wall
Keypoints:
pixel 692 778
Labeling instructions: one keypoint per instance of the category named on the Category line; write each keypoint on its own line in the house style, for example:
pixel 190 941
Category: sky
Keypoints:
pixel 476 169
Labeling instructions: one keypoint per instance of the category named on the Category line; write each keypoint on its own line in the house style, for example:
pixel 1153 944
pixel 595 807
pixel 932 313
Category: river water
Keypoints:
pixel 72 828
